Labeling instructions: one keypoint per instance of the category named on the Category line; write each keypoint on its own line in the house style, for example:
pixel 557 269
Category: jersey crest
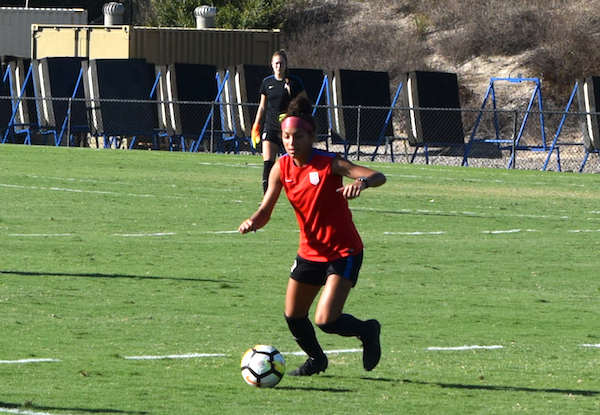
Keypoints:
pixel 313 177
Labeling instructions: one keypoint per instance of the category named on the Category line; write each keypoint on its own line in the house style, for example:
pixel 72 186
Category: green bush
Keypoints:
pixel 251 14
pixel 233 14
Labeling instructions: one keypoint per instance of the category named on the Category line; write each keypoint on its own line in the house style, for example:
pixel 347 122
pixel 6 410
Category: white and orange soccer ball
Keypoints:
pixel 262 366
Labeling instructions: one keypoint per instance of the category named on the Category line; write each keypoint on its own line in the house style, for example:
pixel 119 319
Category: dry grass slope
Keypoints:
pixel 549 39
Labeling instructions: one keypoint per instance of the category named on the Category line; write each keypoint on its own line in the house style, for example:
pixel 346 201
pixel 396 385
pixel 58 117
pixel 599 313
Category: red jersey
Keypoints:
pixel 327 231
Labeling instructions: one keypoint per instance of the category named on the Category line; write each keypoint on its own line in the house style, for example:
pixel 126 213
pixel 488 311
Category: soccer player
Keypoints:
pixel 276 92
pixel 331 250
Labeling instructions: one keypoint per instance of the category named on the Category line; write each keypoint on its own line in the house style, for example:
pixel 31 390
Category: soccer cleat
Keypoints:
pixel 311 367
pixel 371 345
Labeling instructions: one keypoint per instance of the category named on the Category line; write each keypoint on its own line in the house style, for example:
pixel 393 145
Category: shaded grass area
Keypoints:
pixel 108 254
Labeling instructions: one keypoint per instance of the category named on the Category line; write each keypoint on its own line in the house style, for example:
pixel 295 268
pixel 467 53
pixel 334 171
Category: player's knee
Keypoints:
pixel 327 327
pixel 326 322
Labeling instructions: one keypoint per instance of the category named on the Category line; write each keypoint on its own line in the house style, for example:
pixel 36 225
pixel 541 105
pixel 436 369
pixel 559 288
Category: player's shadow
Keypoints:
pixel 31 406
pixel 315 389
pixel 575 392
pixel 100 275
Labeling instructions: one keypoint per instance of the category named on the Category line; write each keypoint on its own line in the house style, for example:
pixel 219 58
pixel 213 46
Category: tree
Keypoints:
pixel 234 14
pixel 250 14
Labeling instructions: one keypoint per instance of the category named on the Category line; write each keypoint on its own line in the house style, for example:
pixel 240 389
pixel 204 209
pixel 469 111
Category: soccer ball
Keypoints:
pixel 262 366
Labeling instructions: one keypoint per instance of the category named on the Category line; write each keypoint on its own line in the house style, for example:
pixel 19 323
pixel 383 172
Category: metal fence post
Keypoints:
pixel 513 155
pixel 358 135
pixel 212 126
pixel 69 112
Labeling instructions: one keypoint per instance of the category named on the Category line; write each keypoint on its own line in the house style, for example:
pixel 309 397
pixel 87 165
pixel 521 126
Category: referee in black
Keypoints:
pixel 276 92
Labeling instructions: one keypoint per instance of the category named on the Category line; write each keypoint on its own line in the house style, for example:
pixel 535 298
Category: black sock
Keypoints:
pixel 267 166
pixel 346 325
pixel 304 334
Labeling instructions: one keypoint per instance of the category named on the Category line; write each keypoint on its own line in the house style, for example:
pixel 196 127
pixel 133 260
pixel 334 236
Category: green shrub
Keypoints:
pixel 235 14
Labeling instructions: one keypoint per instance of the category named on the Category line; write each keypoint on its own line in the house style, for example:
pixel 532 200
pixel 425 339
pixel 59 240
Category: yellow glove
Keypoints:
pixel 255 136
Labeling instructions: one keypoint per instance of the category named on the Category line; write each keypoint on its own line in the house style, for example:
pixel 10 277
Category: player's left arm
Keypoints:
pixel 364 177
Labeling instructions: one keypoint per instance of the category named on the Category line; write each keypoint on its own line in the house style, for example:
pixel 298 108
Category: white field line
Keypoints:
pixel 470 214
pixel 498 232
pixel 125 235
pixel 175 356
pixel 509 231
pixel 96 192
pixel 41 234
pixel 21 361
pixel 23 412
pixel 591 345
pixel 65 189
pixel 139 235
pixel 200 355
pixel 246 165
pixel 474 347
pixel 415 233
pixel 172 233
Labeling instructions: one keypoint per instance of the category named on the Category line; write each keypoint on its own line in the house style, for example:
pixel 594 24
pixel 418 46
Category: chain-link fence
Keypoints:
pixel 535 140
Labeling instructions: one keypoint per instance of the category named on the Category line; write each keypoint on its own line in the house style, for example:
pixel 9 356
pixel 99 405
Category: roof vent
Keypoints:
pixel 113 13
pixel 205 17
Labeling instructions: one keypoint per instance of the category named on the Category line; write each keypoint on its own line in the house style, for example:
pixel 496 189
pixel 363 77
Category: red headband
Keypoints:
pixel 296 122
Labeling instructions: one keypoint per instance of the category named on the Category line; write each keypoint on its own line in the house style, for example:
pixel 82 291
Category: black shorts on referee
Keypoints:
pixel 274 136
pixel 316 273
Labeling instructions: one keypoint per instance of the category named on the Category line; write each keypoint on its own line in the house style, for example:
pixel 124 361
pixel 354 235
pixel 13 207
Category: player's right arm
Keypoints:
pixel 260 112
pixel 258 122
pixel 263 214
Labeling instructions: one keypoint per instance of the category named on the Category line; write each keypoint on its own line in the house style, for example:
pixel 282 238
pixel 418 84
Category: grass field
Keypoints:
pixel 125 290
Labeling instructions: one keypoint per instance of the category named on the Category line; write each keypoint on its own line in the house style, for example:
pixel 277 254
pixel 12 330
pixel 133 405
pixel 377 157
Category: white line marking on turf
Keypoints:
pixel 28 361
pixel 199 355
pixel 175 356
pixel 415 233
pixel 326 352
pixel 591 345
pixel 95 192
pixel 219 232
pixel 509 231
pixel 138 235
pixel 22 412
pixel 251 165
pixel 474 347
pixel 584 230
pixel 40 234
pixel 467 214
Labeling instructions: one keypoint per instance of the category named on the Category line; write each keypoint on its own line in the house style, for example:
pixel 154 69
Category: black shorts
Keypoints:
pixel 272 136
pixel 316 273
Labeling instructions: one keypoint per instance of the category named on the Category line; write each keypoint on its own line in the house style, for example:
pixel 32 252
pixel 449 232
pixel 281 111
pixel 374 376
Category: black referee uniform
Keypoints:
pixel 279 93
